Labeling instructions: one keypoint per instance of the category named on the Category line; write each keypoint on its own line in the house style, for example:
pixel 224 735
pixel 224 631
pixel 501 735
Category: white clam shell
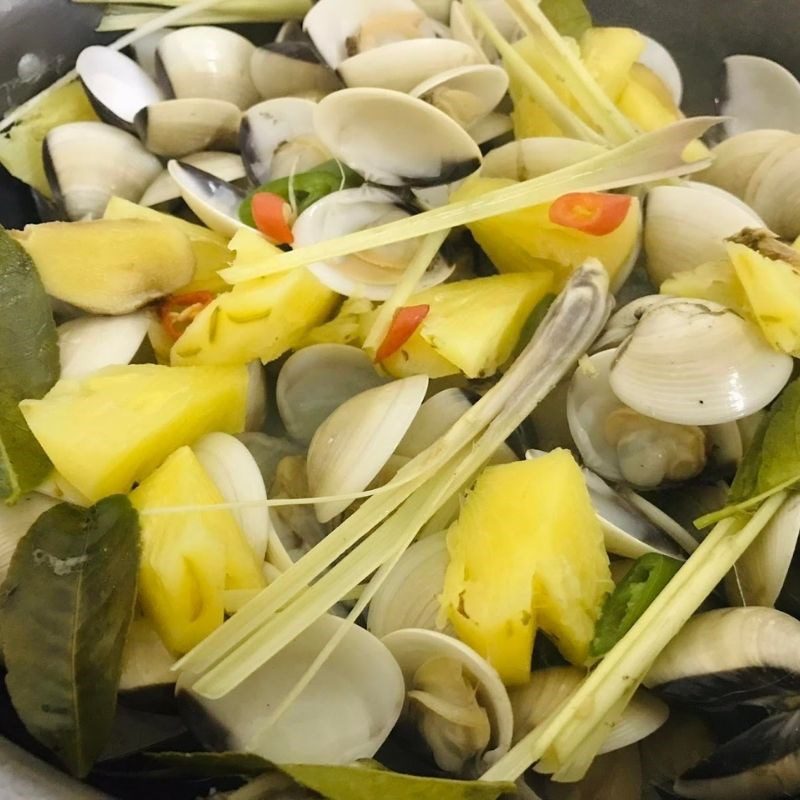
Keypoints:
pixel 622 322
pixel 550 687
pixel 175 128
pixel 413 647
pixel 393 139
pixel 88 344
pixel 686 226
pixel 316 380
pixel 205 61
pixel 353 210
pixel 659 60
pixel 612 776
pixel 524 159
pixel 237 476
pixel 465 93
pixel 759 94
pixel 144 50
pixel 492 129
pixel 409 596
pixel 87 163
pixel 697 363
pixel 291 69
pixel 227 166
pixel 773 189
pixel 353 444
pixel 16 520
pixel 116 84
pixel 461 30
pixel 758 576
pixel 344 714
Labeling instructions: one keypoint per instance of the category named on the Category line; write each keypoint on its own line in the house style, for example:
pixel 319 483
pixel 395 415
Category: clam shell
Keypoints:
pixel 116 85
pixel 205 61
pixel 377 133
pixel 87 163
pixel 686 226
pixel 659 60
pixel 316 380
pixel 344 714
pixel 524 159
pixel 256 412
pixel 621 323
pixel 144 50
pixel 412 647
pixel 176 128
pixel 773 189
pixel 88 344
pixel 16 520
pixel 409 596
pixel 697 363
pixel 291 69
pixel 613 776
pixel 462 30
pixel 352 444
pixel 492 131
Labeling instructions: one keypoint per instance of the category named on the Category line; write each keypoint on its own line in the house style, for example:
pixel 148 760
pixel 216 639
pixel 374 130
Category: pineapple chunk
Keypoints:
pixel 609 54
pixel 527 241
pixel 113 427
pixel 252 249
pixel 716 281
pixel 526 552
pixel 210 249
pixel 189 560
pixel 497 307
pixel 773 295
pixel 350 325
pixel 262 318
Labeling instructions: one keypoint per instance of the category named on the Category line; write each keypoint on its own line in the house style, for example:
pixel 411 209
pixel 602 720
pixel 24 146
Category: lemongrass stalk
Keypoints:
pixel 566 119
pixel 417 267
pixel 597 105
pixel 118 20
pixel 571 325
pixel 561 737
pixel 650 157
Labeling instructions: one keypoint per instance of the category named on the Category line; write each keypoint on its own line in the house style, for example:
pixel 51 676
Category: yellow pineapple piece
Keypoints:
pixel 716 281
pixel 527 241
pixel 190 559
pixel 609 54
pixel 210 248
pixel 252 249
pixel 350 325
pixel 526 552
pixel 262 318
pixel 113 427
pixel 472 325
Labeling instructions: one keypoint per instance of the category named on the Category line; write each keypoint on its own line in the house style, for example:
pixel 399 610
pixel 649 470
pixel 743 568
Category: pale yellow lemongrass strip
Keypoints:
pixel 566 119
pixel 571 325
pixel 413 274
pixel 579 81
pixel 118 20
pixel 626 665
pixel 650 157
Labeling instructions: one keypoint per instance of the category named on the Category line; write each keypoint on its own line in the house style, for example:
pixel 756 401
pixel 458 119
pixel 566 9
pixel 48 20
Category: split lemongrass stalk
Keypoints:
pixel 588 93
pixel 130 17
pixel 559 743
pixel 241 645
pixel 566 119
pixel 650 157
pixel 426 252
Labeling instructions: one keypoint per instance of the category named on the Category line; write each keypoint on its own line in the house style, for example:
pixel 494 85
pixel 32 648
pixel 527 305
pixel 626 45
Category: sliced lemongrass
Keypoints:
pixel 130 17
pixel 564 736
pixel 650 157
pixel 566 119
pixel 235 599
pixel 417 267
pixel 597 105
pixel 572 323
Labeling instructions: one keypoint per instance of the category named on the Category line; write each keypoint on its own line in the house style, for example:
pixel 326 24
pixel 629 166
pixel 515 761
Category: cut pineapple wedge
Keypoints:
pixel 472 326
pixel 114 427
pixel 189 560
pixel 351 325
pixel 527 241
pixel 526 553
pixel 210 248
pixel 609 54
pixel 262 318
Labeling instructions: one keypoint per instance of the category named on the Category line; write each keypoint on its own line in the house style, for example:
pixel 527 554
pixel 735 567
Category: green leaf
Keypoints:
pixel 771 463
pixel 569 17
pixel 209 765
pixel 29 366
pixel 65 608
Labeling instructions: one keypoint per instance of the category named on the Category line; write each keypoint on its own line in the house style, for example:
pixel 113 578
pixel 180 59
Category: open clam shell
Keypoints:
pixel 524 159
pixel 621 323
pixel 409 597
pixel 205 61
pixel 462 30
pixel 371 274
pixel 772 189
pixel 659 60
pixel 344 714
pixel 277 139
pixel 227 166
pixel 393 139
pixel 176 128
pixel 87 163
pixel 416 650
pixel 721 368
pixel 316 380
pixel 116 85
pixel 492 131
pixel 353 444
pixel 291 69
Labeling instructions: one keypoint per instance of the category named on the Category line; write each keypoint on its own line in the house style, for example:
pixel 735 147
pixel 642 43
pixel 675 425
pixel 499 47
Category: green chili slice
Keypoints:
pixel 631 598
pixel 305 188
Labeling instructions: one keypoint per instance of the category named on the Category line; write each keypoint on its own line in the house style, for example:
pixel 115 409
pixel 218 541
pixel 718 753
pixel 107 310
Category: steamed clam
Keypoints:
pixel 291 68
